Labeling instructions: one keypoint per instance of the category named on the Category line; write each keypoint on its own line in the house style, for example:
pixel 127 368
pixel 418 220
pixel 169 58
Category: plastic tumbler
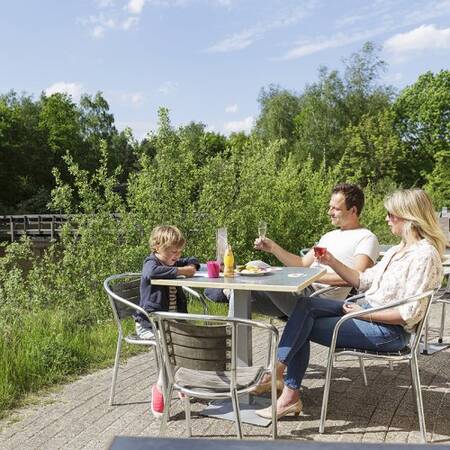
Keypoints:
pixel 213 268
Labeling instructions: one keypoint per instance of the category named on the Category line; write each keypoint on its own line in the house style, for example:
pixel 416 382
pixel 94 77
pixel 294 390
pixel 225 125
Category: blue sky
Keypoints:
pixel 207 60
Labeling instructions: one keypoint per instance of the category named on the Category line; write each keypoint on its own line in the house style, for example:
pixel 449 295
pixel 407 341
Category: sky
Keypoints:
pixel 207 60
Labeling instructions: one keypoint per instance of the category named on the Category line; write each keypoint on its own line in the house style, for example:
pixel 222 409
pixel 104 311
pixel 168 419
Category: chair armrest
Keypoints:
pixel 199 296
pixel 365 312
pixel 324 290
pixel 355 297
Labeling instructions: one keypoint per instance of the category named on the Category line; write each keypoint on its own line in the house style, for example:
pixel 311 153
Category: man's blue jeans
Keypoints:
pixel 313 319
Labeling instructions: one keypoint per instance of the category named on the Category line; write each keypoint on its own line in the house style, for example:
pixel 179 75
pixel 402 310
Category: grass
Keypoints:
pixel 43 348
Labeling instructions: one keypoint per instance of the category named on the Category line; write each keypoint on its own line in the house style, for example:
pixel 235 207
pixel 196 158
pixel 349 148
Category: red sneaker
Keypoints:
pixel 157 401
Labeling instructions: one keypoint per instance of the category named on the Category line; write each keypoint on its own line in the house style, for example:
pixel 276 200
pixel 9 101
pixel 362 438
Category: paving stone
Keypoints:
pixel 77 416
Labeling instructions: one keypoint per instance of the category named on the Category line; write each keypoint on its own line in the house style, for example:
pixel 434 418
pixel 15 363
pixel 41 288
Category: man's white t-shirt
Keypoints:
pixel 345 245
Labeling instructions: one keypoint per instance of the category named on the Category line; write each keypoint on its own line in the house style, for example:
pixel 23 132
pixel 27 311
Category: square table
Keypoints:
pixel 279 279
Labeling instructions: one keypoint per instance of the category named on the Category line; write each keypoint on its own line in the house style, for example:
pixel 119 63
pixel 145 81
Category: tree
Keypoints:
pixel 24 156
pixel 335 102
pixel 279 107
pixel 438 181
pixel 423 120
pixel 374 151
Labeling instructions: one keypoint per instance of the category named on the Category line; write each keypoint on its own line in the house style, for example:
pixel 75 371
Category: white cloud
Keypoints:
pixel 168 87
pixel 245 38
pixel 425 37
pixel 240 125
pixel 135 6
pixel 72 89
pixel 235 42
pixel 304 48
pixel 231 108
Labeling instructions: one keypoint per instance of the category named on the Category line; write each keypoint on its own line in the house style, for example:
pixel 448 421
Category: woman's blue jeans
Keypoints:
pixel 313 319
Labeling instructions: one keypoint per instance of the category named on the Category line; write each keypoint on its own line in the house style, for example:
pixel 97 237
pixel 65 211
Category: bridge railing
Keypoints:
pixel 33 225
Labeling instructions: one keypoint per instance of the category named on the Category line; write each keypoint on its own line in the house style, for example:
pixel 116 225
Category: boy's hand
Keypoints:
pixel 187 271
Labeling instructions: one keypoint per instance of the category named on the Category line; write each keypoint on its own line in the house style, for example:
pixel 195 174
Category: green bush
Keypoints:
pixel 56 319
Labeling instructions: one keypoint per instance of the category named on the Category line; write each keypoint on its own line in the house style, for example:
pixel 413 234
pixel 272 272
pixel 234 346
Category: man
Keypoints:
pixel 352 244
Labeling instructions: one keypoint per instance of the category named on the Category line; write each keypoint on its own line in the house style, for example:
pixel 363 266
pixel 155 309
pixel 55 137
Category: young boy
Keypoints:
pixel 166 243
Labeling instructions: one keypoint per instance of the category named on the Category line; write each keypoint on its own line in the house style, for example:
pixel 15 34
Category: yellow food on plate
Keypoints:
pixel 253 269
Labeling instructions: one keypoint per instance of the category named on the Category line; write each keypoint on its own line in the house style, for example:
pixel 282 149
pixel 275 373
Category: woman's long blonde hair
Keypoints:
pixel 416 208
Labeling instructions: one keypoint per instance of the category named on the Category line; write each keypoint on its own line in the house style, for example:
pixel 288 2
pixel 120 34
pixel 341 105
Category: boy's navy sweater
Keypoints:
pixel 156 298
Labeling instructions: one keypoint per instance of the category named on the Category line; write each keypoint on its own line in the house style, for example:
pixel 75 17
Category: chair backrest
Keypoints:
pixel 414 344
pixel 203 342
pixel 195 346
pixel 123 293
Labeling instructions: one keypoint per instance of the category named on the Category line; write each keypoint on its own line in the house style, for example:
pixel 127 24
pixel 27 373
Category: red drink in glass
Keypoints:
pixel 319 251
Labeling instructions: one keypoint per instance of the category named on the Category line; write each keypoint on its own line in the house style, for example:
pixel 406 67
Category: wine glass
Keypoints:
pixel 262 229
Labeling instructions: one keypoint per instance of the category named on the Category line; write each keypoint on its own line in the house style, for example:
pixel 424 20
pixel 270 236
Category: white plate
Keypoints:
pixel 250 273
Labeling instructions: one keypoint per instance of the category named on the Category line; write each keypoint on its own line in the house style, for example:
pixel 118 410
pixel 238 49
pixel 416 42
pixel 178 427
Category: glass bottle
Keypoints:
pixel 228 262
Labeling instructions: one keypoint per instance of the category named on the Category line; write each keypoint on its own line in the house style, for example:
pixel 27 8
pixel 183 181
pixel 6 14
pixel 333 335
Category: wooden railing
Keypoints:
pixel 33 225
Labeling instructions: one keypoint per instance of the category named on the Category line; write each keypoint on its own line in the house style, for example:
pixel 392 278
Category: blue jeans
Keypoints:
pixel 313 319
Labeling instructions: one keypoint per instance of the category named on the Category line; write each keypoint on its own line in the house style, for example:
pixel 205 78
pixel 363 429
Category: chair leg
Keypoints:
pixel 425 339
pixel 187 412
pixel 160 368
pixel 274 409
pixel 441 331
pixel 155 351
pixel 237 413
pixel 115 370
pixel 417 391
pixel 326 391
pixel 165 417
pixel 363 369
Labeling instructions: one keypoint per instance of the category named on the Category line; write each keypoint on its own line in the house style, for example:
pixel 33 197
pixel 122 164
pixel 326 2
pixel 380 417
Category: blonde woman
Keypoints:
pixel 412 267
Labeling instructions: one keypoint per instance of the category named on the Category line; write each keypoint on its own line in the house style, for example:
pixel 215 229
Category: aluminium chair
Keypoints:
pixel 200 358
pixel 123 293
pixel 409 354
pixel 124 296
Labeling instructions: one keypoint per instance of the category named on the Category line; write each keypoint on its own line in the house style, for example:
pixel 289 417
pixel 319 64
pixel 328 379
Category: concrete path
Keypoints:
pixel 78 416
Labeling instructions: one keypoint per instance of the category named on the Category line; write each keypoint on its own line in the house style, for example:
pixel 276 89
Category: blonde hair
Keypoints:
pixel 165 236
pixel 416 208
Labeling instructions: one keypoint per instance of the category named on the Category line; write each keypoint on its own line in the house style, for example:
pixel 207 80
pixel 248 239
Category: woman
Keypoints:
pixel 412 267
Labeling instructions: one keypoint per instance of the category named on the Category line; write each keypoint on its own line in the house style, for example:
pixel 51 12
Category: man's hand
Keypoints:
pixel 187 271
pixel 327 259
pixel 264 244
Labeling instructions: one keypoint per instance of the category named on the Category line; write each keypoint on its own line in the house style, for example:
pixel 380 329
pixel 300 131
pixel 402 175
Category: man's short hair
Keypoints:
pixel 353 194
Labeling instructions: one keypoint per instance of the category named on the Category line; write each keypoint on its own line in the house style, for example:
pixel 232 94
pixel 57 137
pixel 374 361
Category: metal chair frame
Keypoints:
pixel 411 355
pixel 129 306
pixel 132 305
pixel 160 318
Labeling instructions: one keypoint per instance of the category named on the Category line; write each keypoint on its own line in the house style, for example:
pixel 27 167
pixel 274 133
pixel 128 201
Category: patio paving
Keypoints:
pixel 78 415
